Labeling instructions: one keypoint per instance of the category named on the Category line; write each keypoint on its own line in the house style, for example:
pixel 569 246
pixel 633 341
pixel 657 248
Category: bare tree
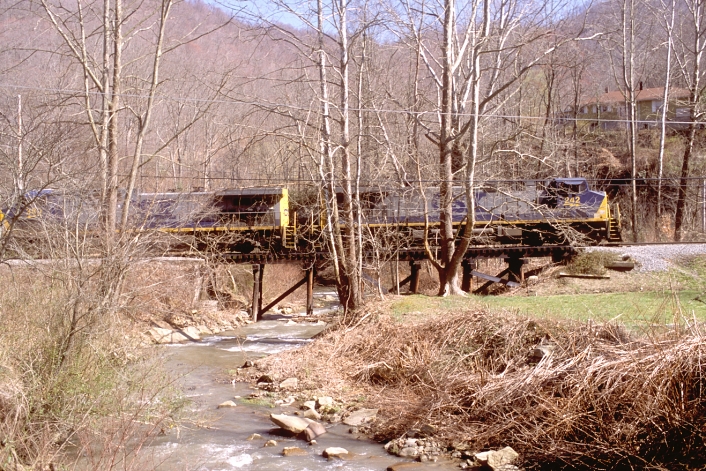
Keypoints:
pixel 485 50
pixel 690 55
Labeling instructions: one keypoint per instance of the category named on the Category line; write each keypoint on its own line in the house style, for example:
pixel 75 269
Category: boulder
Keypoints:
pixel 291 424
pixel 254 436
pixel 314 430
pixel 192 333
pixel 289 384
pixel 160 335
pixel 293 451
pixel 310 414
pixel 226 404
pixel 265 379
pixel 408 452
pixel 497 459
pixel 204 330
pixel 335 452
pixel 324 401
pixel 360 417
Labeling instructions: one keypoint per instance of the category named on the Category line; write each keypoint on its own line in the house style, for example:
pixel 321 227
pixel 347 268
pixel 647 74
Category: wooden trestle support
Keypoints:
pixel 258 271
pixel 512 276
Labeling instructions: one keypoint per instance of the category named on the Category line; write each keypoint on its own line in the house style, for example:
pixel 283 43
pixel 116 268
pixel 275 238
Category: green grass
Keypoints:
pixel 682 290
pixel 628 308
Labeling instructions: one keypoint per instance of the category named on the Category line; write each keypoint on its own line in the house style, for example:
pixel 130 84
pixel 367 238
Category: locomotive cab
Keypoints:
pixel 558 191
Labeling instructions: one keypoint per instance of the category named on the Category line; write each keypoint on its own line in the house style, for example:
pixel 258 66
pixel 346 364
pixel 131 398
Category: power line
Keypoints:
pixel 275 105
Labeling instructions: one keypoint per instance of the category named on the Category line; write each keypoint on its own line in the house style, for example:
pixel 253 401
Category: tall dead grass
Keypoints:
pixel 600 398
pixel 74 388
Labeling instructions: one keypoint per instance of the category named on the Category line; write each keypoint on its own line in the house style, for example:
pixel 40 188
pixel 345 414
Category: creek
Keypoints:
pixel 217 441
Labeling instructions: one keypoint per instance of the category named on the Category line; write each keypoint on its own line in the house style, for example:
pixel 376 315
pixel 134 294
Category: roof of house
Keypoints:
pixel 642 95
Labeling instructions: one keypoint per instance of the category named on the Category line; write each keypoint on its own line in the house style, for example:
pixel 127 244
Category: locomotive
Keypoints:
pixel 560 210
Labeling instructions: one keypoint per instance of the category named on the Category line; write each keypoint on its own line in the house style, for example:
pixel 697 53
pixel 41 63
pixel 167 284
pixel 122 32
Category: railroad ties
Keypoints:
pixel 515 256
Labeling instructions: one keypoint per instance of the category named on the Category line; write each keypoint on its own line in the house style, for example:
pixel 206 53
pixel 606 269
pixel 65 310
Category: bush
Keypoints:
pixel 590 263
pixel 70 378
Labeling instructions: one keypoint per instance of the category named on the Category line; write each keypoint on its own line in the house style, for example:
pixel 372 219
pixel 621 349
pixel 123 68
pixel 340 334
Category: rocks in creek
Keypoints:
pixel 324 402
pixel 204 330
pixel 498 460
pixel 361 416
pixel 335 452
pixel 308 427
pixel 225 405
pixel 291 424
pixel 161 335
pixel 265 379
pixel 407 467
pixel 288 401
pixel 254 436
pixel 248 364
pixel 309 405
pixel 423 449
pixel 289 384
pixel 310 414
pixel 293 451
pixel 314 430
pixel 269 443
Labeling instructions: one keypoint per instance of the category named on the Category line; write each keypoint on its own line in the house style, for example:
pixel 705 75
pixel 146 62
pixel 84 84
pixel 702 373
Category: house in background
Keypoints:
pixel 608 111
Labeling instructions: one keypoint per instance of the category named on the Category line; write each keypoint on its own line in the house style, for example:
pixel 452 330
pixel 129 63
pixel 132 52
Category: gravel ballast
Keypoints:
pixel 651 258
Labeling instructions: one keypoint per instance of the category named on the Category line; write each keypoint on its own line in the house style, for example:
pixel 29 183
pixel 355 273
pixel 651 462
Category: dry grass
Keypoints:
pixel 601 400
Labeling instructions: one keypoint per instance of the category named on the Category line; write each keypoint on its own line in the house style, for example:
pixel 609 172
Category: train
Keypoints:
pixel 246 220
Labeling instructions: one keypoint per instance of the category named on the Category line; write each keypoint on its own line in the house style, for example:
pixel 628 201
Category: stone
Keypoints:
pixel 314 430
pixel 254 436
pixel 288 401
pixel 248 364
pixel 408 452
pixel 497 459
pixel 408 467
pixel 335 452
pixel 270 443
pixel 160 335
pixel 427 430
pixel 293 451
pixel 353 430
pixel 226 404
pixel 309 405
pixel 192 333
pixel 411 442
pixel 324 401
pixel 204 330
pixel 289 423
pixel 265 379
pixel 289 384
pixel 360 417
pixel 311 414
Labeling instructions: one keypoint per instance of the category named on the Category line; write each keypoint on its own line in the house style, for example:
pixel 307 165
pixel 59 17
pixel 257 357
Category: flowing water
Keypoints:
pixel 218 441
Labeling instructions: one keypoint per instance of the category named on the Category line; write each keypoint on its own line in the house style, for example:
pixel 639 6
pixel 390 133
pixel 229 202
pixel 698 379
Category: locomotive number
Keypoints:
pixel 572 201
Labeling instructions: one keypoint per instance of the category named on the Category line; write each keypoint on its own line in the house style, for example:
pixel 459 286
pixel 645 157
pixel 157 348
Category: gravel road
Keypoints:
pixel 655 257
